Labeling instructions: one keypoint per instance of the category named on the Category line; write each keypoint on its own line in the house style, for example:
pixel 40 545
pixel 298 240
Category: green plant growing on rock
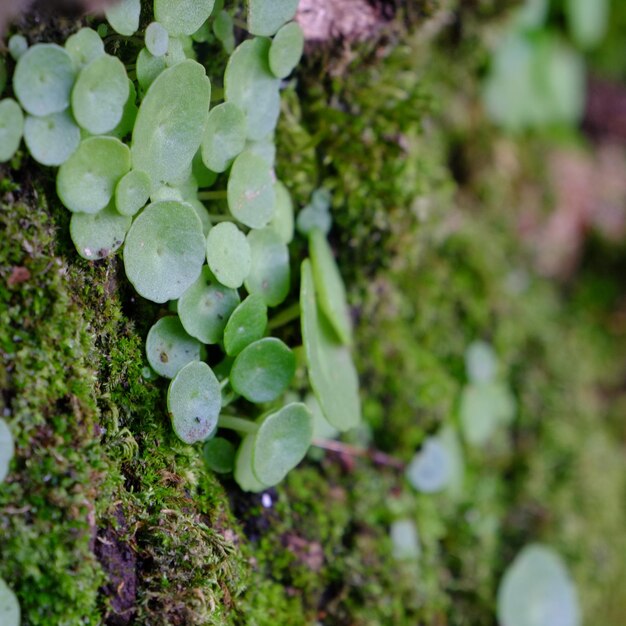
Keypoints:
pixel 138 152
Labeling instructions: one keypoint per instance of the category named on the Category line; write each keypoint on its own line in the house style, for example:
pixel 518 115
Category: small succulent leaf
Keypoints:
pixel 43 79
pixel 250 191
pixel 84 47
pixel 10 613
pixel 283 220
pixel 331 371
pixel 587 21
pixel 194 401
pixel 329 286
pixel 281 442
pixel 170 123
pixel 224 31
pixel 156 39
pixel 148 68
pixel 430 470
pixel 270 274
pixel 205 307
pixel 404 540
pixel 265 18
pixel 87 180
pixel 246 325
pixel 537 589
pixel 7 450
pixel 11 128
pixel 164 250
pixel 52 139
pixel 481 362
pixel 169 348
pixel 219 455
pixel 249 83
pixel 99 235
pixel 132 192
pixel 182 17
pixel 123 16
pixel 244 475
pixel 100 94
pixel 286 50
pixel 17 46
pixel 224 136
pixel 228 254
pixel 263 370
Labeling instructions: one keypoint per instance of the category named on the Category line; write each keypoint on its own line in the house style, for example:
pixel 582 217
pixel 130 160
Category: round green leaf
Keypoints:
pixel 483 408
pixel 205 308
pixel 98 235
pixel 286 50
pixel 331 370
pixel 244 474
pixel 87 180
pixel 170 123
pixel 43 79
pixel 17 46
pixel 587 21
pixel 194 401
pixel 132 192
pixel 11 128
pixel 157 39
pixel 283 222
pixel 263 370
pixel 169 348
pixel 329 287
pixel 228 254
pixel 219 455
pixel 148 68
pixel 246 325
pixel 481 362
pixel 430 470
pixel 123 16
pixel 52 139
pixel 84 47
pixel 249 83
pixel 100 94
pixel 270 273
pixel 537 590
pixel 281 442
pixel 251 196
pixel 7 450
pixel 224 136
pixel 10 614
pixel 182 17
pixel 164 250
pixel 316 214
pixel 265 18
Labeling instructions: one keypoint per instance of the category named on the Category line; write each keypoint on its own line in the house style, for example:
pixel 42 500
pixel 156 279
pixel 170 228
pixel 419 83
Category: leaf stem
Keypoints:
pixel 375 456
pixel 285 316
pixel 213 195
pixel 238 424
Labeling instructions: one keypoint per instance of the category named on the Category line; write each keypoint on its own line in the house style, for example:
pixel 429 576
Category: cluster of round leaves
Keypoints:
pixel 134 156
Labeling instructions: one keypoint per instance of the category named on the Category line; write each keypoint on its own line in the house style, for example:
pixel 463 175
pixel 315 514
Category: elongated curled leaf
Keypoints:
pixel 194 401
pixel 123 16
pixel 244 474
pixel 43 79
pixel 99 95
pixel 11 128
pixel 249 83
pixel 205 307
pixel 182 17
pixel 164 250
pixel 99 235
pixel 286 50
pixel 331 370
pixel 224 136
pixel 283 220
pixel 329 287
pixel 228 254
pixel 265 17
pixel 251 195
pixel 270 273
pixel 86 181
pixel 170 123
pixel 52 139
pixel 169 348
